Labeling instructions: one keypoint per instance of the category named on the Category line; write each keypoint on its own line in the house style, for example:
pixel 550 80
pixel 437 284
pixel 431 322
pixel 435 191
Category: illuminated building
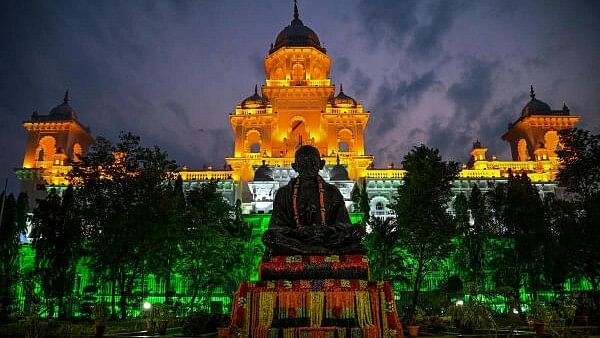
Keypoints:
pixel 53 141
pixel 298 104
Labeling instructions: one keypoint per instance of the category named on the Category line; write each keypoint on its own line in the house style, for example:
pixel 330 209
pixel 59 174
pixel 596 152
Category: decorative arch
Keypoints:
pixel 77 152
pixel 298 131
pixel 298 72
pixel 253 141
pixel 46 149
pixel 522 150
pixel 551 142
pixel 345 138
pixel 378 206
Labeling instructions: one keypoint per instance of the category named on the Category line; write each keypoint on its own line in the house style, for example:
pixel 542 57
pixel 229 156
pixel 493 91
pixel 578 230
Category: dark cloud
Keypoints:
pixel 474 90
pixel 418 25
pixel 393 99
pixel 341 65
pixel 427 37
pixel 361 84
pixel 387 21
pixel 471 96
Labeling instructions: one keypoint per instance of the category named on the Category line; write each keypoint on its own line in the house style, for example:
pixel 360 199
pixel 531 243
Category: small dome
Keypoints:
pixel 64 110
pixel 344 101
pixel 263 173
pixel 338 172
pixel 297 35
pixel 477 145
pixel 536 107
pixel 254 101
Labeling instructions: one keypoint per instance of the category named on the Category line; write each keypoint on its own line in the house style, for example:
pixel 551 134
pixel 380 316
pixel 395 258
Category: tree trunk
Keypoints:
pixel 194 295
pixel 416 289
pixel 113 293
pixel 123 298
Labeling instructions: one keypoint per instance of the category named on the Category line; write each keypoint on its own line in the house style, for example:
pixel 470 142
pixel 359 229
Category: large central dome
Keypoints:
pixel 297 35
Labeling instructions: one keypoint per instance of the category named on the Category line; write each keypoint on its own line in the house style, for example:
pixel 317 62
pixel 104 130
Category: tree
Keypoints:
pixel 580 174
pixel 57 239
pixel 425 228
pixel 211 251
pixel 385 256
pixel 12 225
pixel 120 190
pixel 519 221
pixel 473 227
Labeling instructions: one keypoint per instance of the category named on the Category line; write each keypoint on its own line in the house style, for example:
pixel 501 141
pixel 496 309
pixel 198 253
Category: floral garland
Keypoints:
pixel 321 201
pixel 266 308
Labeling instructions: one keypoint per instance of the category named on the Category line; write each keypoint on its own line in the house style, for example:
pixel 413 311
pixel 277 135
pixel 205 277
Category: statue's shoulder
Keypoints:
pixel 333 191
pixel 286 189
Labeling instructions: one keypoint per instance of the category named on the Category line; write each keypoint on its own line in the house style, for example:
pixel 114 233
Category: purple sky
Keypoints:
pixel 436 72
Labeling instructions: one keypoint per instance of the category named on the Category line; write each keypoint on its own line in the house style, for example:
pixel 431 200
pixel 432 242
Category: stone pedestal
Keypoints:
pixel 315 296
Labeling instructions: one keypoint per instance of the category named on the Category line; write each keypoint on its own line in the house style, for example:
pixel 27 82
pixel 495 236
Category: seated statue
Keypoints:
pixel 309 215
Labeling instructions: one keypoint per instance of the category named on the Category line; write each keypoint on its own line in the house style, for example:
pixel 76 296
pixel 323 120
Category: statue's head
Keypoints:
pixel 308 162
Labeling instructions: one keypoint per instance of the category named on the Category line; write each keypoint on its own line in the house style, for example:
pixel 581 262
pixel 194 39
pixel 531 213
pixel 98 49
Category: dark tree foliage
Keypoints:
pixel 215 245
pixel 519 220
pixel 12 225
pixel 472 219
pixel 122 192
pixel 580 174
pixel 424 226
pixel 57 239
pixel 385 256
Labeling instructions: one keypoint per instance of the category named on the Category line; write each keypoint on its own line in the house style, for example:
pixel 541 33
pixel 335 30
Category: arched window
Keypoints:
pixel 522 149
pixel 255 148
pixel 379 206
pixel 551 141
pixel 253 141
pixel 46 148
pixel 298 72
pixel 344 140
pixel 77 152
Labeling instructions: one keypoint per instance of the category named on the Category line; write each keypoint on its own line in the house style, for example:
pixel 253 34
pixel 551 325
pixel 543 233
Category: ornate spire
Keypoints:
pixel 337 159
pixel 66 99
pixel 296 15
pixel 255 89
pixel 565 108
pixel 341 88
pixel 532 93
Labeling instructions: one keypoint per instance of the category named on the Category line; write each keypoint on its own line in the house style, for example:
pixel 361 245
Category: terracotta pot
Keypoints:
pixel 413 330
pixel 223 332
pixel 162 327
pixel 99 330
pixel 539 328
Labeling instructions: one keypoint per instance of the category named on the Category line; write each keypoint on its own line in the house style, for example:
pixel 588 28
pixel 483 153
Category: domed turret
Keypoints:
pixel 263 173
pixel 535 106
pixel 64 110
pixel 338 172
pixel 254 101
pixel 297 35
pixel 344 101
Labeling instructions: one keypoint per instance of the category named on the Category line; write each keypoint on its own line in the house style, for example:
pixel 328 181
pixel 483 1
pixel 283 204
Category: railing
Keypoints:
pixel 206 175
pixel 291 83
pixel 386 173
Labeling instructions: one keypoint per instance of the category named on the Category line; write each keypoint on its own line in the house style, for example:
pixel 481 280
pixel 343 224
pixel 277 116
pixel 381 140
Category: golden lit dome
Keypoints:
pixel 344 101
pixel 338 172
pixel 263 173
pixel 254 101
pixel 63 110
pixel 296 34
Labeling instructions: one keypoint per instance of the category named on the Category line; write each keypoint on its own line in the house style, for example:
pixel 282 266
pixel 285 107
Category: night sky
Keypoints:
pixel 441 73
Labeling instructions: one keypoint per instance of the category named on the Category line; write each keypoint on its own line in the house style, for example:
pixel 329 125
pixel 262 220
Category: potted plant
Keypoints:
pixel 472 315
pixel 414 322
pixel 162 315
pixel 540 315
pixel 100 312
